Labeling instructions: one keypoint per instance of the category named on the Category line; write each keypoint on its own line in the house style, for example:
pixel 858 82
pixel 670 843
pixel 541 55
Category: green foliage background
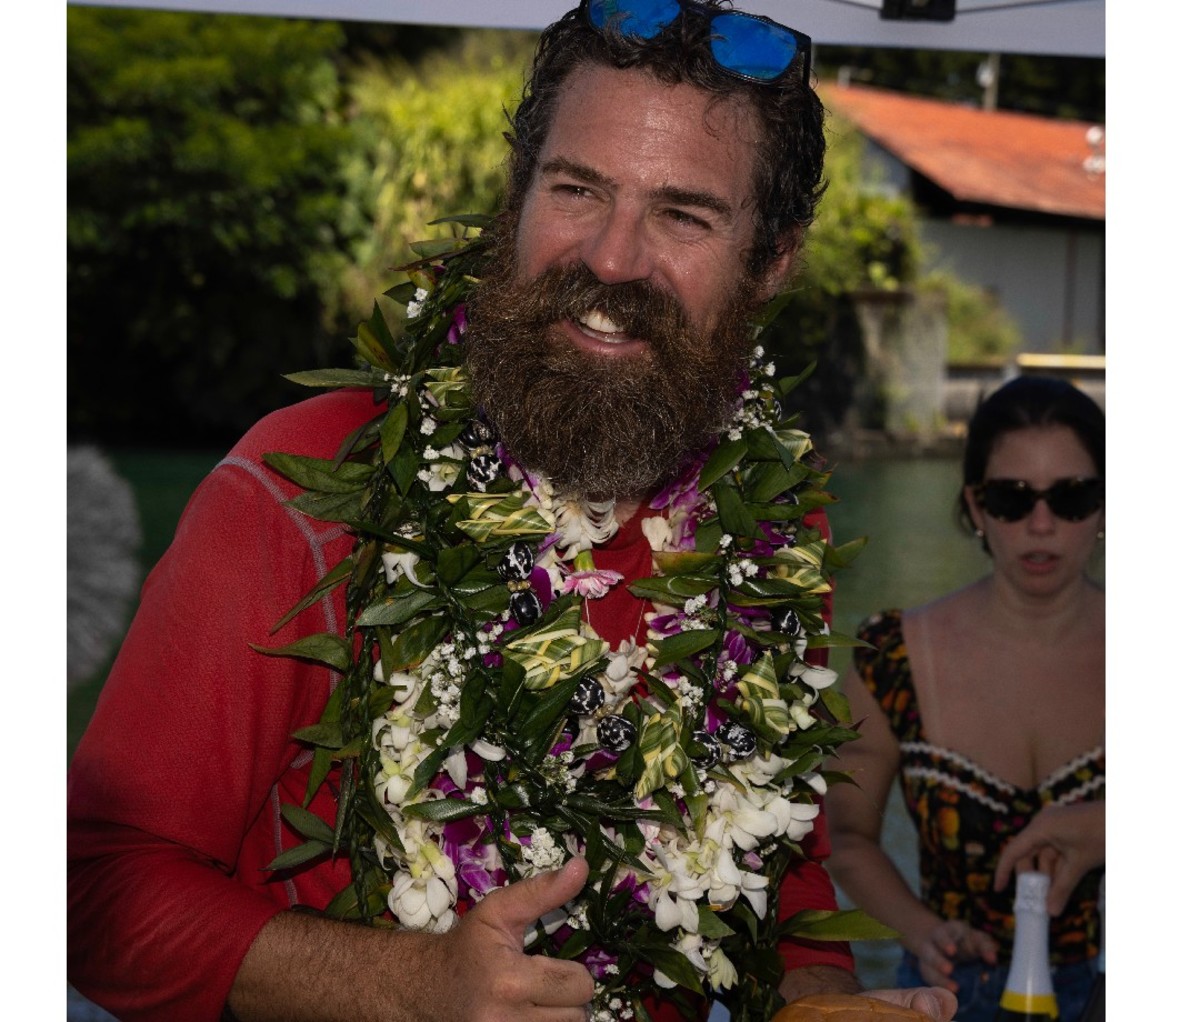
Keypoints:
pixel 240 187
pixel 203 223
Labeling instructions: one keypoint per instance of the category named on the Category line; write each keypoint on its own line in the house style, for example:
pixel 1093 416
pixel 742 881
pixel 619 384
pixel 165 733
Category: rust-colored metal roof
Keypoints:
pixel 995 157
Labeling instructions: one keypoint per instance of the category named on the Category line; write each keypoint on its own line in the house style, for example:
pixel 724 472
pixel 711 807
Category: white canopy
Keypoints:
pixel 1063 27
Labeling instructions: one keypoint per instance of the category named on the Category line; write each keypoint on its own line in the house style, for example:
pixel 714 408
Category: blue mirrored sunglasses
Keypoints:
pixel 748 46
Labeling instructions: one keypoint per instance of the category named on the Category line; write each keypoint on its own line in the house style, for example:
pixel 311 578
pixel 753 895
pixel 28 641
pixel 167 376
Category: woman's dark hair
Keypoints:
pixel 789 160
pixel 1021 403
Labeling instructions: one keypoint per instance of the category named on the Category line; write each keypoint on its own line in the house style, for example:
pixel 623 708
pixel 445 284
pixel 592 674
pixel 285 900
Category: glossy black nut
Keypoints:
pixel 570 729
pixel 483 469
pixel 738 740
pixel 786 621
pixel 616 733
pixel 477 434
pixel 712 749
pixel 517 563
pixel 588 697
pixel 525 606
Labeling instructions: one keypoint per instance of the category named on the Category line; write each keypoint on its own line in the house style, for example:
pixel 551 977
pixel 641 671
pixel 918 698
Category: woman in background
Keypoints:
pixel 989 705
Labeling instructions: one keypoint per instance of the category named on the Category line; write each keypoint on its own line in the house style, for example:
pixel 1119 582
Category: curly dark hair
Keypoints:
pixel 789 162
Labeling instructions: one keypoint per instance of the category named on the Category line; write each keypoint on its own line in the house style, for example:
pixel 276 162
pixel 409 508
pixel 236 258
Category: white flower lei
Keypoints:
pixel 489 733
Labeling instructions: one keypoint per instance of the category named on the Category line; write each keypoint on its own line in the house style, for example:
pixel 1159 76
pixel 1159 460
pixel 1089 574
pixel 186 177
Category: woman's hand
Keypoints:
pixel 1063 841
pixel 948 942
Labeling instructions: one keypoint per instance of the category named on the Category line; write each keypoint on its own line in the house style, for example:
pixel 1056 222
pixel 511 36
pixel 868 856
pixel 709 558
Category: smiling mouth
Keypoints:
pixel 599 327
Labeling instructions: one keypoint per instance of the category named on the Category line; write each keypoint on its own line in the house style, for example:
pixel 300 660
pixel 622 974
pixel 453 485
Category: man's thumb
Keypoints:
pixel 516 906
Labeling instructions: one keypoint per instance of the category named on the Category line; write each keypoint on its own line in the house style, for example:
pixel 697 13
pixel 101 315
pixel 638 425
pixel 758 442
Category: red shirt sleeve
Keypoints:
pixel 174 791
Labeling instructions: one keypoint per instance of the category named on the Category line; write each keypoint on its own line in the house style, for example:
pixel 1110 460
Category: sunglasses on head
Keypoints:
pixel 1010 500
pixel 748 46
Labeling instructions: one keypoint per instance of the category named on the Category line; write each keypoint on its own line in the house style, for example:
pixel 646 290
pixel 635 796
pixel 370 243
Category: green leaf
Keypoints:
pixel 322 647
pixel 455 561
pixel 724 459
pixel 842 556
pixel 391 433
pixel 852 924
pixel 397 610
pixel 299 855
pixel 673 965
pixel 711 925
pixel 539 728
pixel 320 474
pixel 327 734
pixel 338 378
pixel 373 342
pixel 331 581
pixel 444 810
pixel 675 589
pixel 329 507
pixel 417 641
pixel 836 703
pixel 685 644
pixel 735 518
pixel 308 824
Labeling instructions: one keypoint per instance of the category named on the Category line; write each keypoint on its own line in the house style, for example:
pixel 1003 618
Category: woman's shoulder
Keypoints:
pixel 883 624
pixel 883 655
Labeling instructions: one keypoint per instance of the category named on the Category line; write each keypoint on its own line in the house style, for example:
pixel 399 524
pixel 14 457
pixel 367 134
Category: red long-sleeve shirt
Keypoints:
pixel 174 791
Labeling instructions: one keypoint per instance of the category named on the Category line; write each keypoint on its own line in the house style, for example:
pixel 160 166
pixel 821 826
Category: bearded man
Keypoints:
pixel 659 191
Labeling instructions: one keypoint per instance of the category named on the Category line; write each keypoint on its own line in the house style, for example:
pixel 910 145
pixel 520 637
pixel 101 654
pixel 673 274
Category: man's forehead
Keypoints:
pixel 629 119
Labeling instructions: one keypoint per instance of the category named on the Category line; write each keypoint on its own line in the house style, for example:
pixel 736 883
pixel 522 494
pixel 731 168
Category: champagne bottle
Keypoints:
pixel 1028 992
pixel 1093 1011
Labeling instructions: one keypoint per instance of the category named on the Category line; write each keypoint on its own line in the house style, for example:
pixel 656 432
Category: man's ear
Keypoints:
pixel 778 273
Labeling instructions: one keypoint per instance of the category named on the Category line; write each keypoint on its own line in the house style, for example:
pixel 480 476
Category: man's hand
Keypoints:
pixel 303 968
pixel 490 974
pixel 1064 841
pixel 949 942
pixel 936 1002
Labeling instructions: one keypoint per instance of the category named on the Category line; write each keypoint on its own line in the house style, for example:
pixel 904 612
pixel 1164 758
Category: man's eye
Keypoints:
pixel 685 219
pixel 572 191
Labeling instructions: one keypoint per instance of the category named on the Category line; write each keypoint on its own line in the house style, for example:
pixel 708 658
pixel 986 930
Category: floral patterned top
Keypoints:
pixel 964 815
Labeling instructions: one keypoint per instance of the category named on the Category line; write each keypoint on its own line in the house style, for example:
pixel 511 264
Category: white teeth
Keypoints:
pixel 596 320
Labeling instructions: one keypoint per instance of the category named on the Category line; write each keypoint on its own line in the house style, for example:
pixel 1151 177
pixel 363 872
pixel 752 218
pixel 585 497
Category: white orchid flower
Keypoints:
pixel 747 824
pixel 582 524
pixel 725 881
pixel 658 532
pixel 486 750
pixel 620 675
pixel 441 475
pixel 400 563
pixel 674 890
pixel 803 814
pixel 816 677
pixel 754 890
pixel 691 946
pixel 423 902
pixel 456 767
pixel 721 973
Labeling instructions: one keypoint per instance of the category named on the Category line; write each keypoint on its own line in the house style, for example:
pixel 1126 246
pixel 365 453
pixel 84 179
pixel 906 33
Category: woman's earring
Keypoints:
pixel 979 533
pixel 1100 534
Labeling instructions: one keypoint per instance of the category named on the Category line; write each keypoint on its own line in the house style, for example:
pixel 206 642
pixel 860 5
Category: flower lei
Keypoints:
pixel 485 732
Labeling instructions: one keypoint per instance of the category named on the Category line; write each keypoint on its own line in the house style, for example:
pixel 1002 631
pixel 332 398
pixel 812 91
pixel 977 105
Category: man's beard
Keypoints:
pixel 600 427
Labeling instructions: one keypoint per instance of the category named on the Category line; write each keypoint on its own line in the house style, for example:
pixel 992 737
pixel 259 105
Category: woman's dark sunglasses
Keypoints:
pixel 748 46
pixel 1010 500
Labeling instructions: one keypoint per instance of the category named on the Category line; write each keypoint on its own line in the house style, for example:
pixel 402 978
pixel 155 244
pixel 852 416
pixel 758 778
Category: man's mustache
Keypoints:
pixel 639 308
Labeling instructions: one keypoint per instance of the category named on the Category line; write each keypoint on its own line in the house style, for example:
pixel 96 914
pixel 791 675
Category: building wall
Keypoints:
pixel 1050 280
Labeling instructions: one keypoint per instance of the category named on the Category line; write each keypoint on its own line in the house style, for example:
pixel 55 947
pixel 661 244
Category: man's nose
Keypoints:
pixel 618 251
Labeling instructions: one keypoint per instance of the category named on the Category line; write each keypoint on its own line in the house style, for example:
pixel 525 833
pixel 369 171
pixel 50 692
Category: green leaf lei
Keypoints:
pixel 484 732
